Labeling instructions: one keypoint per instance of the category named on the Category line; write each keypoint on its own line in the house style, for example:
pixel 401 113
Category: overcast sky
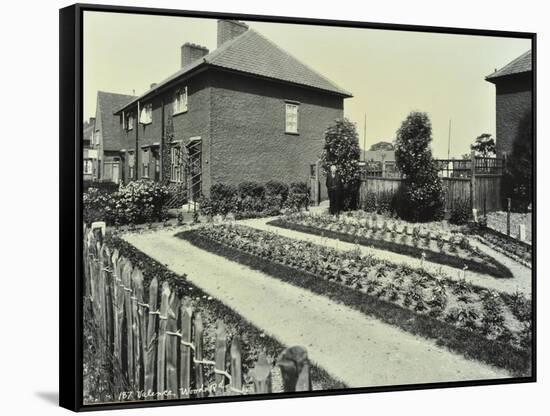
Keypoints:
pixel 390 73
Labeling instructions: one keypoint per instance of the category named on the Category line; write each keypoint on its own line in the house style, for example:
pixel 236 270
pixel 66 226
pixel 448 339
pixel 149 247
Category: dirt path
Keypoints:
pixel 358 350
pixel 522 274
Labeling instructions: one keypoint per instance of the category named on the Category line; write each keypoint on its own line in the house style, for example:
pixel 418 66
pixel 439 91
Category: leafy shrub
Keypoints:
pixel 251 189
pixel 460 213
pixel 139 202
pixel 105 186
pixel 223 198
pixel 136 203
pixel 420 196
pixel 298 196
pixel 276 188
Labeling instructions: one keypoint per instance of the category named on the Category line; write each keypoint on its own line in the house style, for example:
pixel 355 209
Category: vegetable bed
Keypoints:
pixel 450 249
pixel 467 319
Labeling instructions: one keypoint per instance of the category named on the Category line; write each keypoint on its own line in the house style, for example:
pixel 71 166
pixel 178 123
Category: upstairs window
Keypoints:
pixel 146 115
pixel 130 122
pixel 180 101
pixel 291 118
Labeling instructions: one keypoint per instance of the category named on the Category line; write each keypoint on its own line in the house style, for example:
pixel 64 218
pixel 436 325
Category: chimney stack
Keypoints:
pixel 230 29
pixel 191 52
pixel 153 85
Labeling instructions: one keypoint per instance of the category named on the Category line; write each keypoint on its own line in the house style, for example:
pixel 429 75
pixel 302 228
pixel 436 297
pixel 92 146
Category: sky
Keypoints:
pixel 389 73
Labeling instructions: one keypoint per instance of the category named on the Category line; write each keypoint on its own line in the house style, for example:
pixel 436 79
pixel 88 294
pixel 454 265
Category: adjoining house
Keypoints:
pixel 514 89
pixel 102 148
pixel 246 111
pixel 89 157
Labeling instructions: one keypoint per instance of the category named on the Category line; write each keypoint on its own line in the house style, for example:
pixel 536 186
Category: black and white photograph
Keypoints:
pixel 285 208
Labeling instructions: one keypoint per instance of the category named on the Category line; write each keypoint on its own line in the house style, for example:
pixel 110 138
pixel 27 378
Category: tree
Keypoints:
pixel 517 180
pixel 342 149
pixel 420 197
pixel 484 146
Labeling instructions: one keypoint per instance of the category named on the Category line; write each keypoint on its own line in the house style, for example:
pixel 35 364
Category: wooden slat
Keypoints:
pixel 161 350
pixel 294 365
pixel 261 375
pixel 137 297
pixel 221 348
pixel 186 313
pixel 236 384
pixel 151 348
pixel 199 375
pixel 172 343
pixel 129 317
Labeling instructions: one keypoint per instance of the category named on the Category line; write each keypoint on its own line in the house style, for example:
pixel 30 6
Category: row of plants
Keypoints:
pixel 139 202
pixel 253 199
pixel 427 241
pixel 252 339
pixel 517 251
pixel 468 319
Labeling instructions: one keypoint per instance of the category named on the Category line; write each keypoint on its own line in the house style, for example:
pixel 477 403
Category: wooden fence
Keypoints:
pixel 154 341
pixel 476 181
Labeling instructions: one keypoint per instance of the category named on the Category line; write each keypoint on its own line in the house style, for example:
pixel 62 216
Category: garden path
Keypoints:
pixel 356 349
pixel 521 280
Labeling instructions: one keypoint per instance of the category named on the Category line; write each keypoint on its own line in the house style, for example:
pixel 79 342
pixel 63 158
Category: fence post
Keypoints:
pixel 508 215
pixel 136 298
pixel 126 273
pixel 473 181
pixel 186 313
pixel 295 369
pixel 151 337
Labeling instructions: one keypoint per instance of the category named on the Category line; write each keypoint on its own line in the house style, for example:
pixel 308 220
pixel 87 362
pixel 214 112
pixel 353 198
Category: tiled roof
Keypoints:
pixel 519 65
pixel 87 131
pixel 252 53
pixel 109 124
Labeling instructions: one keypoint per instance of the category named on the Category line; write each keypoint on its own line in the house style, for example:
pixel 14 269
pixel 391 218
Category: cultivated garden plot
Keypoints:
pixel 481 324
pixel 432 241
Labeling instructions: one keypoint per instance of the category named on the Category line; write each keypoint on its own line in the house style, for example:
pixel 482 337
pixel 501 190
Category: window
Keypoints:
pixel 176 172
pixel 145 163
pixel 131 164
pixel 130 122
pixel 88 167
pixel 146 115
pixel 180 101
pixel 291 118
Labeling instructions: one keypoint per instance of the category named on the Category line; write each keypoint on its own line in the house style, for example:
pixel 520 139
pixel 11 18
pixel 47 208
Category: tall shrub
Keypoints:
pixel 420 197
pixel 342 149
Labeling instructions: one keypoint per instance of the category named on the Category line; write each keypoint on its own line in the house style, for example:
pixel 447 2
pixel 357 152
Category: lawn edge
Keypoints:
pixel 462 341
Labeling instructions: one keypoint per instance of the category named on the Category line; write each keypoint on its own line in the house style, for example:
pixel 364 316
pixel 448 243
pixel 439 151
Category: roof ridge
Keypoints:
pixel 510 64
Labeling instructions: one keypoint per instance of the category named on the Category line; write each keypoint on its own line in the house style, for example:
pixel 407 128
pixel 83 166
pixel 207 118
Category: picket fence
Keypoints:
pixel 156 351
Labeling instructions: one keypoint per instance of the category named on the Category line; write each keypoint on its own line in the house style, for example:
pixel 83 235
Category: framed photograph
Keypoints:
pixel 257 207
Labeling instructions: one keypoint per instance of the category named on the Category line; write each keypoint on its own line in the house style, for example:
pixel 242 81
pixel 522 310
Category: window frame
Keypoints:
pixel 178 106
pixel 148 109
pixel 292 104
pixel 176 171
pixel 129 126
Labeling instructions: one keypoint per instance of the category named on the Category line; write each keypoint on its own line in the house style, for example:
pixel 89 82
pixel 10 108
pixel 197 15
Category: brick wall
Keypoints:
pixel 248 129
pixel 513 100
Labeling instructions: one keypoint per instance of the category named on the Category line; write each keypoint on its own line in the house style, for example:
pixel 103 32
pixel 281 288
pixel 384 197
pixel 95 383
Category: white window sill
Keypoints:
pixel 179 112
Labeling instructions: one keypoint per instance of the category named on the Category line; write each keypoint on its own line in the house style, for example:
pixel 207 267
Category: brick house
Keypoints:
pixel 246 111
pixel 514 90
pixel 102 148
pixel 89 157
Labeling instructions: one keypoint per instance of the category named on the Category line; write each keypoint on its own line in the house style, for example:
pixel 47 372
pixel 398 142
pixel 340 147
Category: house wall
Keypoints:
pixel 192 123
pixel 249 142
pixel 513 100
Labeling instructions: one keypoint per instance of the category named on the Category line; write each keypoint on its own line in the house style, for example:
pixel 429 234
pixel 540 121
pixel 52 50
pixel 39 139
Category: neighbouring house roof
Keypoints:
pixel 253 54
pixel 519 65
pixel 380 155
pixel 87 132
pixel 106 122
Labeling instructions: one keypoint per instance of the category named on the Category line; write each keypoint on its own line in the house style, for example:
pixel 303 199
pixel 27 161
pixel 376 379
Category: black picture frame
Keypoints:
pixel 70 182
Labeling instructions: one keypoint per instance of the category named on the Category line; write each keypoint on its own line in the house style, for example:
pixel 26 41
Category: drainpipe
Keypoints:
pixel 162 137
pixel 136 164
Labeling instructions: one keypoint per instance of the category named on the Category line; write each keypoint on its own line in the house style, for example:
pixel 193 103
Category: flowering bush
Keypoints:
pixel 460 213
pixel 136 203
